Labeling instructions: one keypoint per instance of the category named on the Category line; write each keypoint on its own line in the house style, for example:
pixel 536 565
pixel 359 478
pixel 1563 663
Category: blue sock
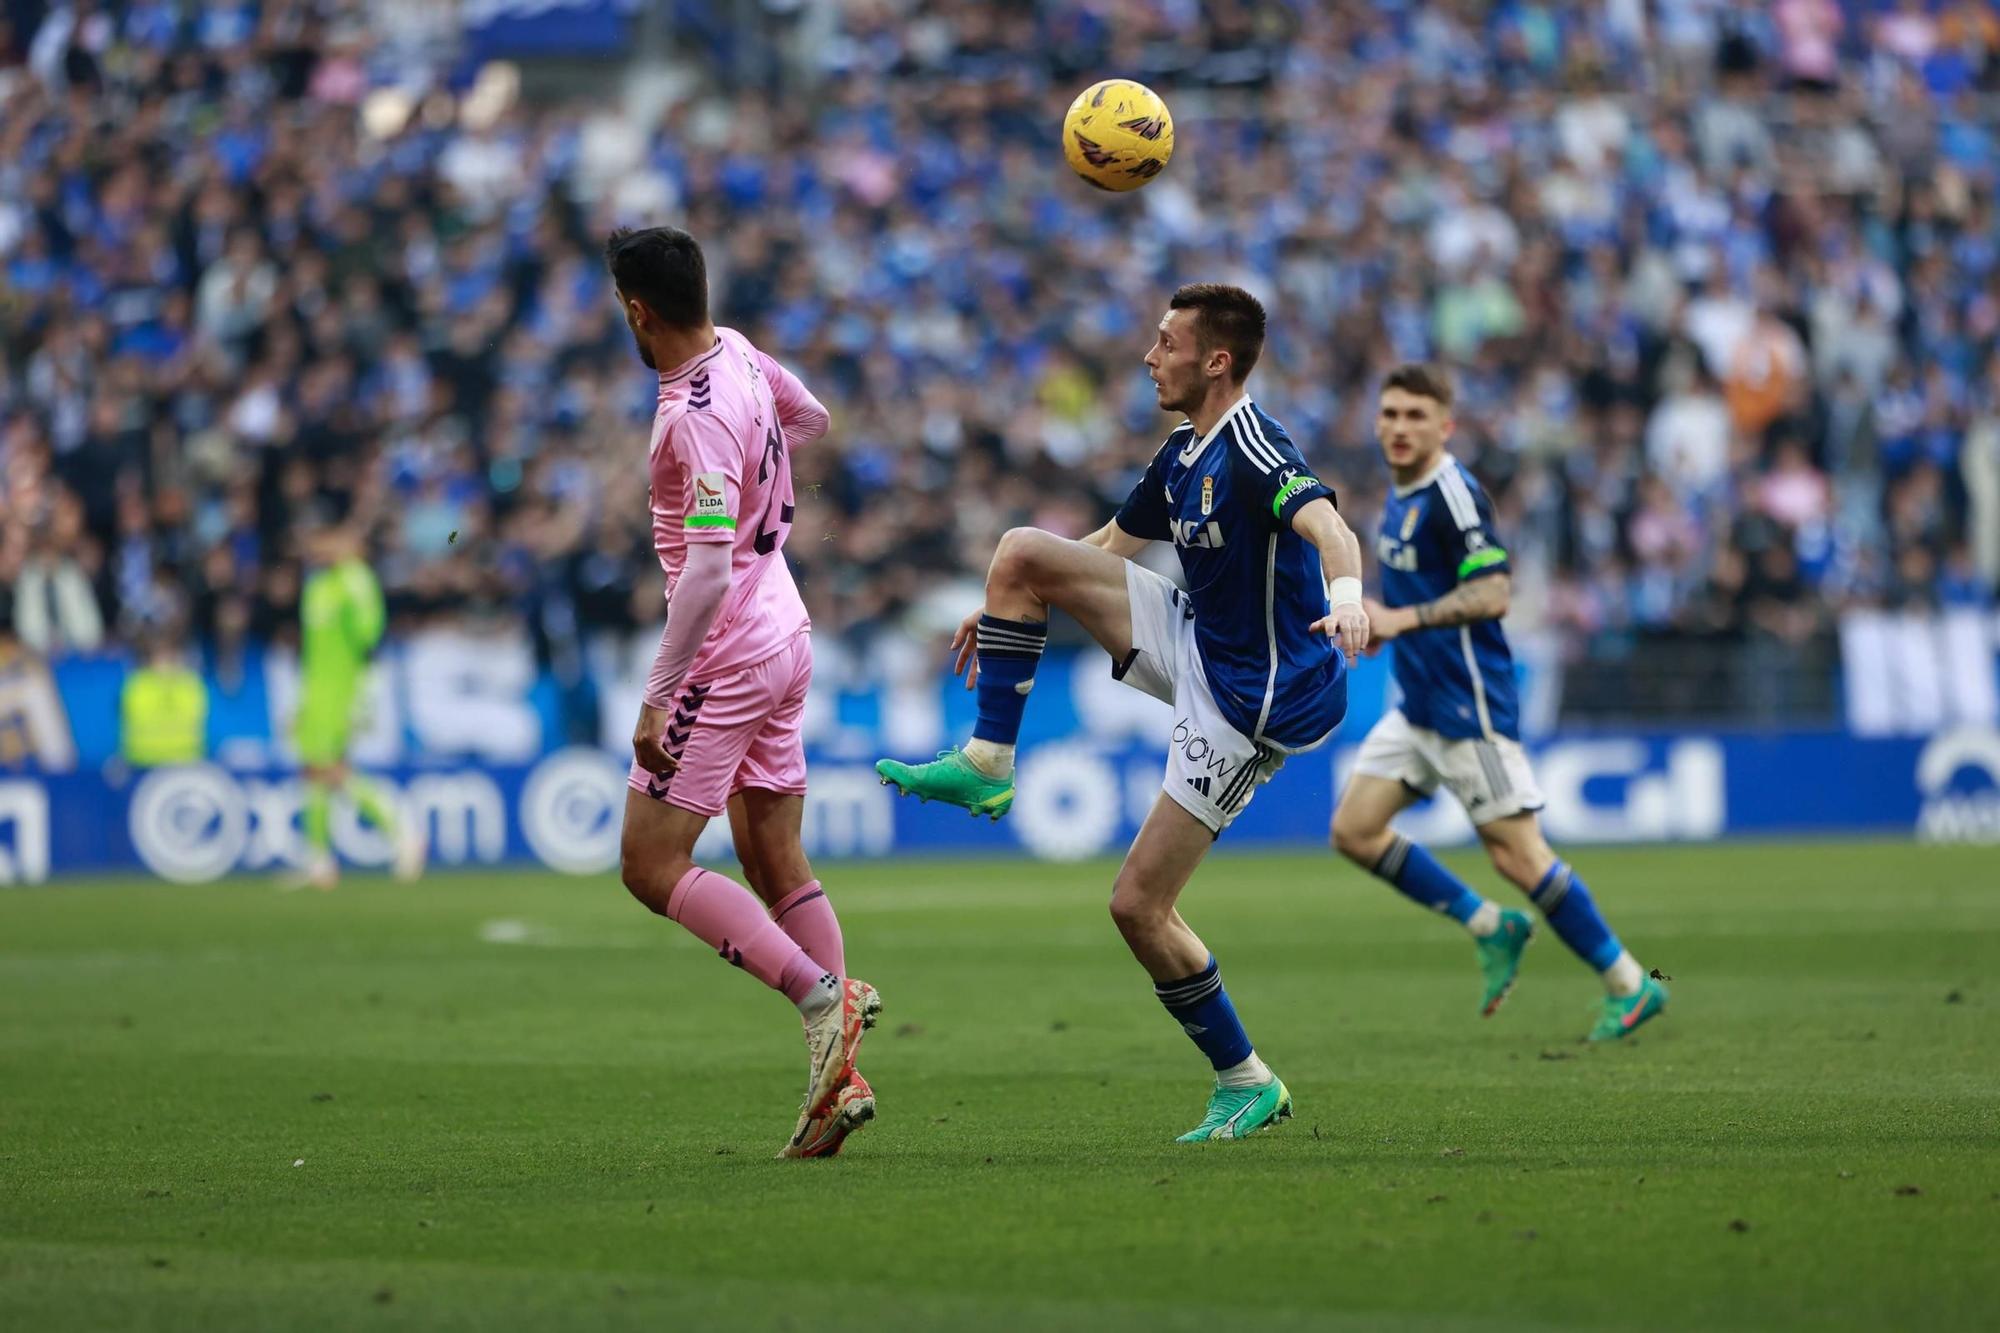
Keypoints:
pixel 1202 1008
pixel 1008 651
pixel 1421 878
pixel 1573 916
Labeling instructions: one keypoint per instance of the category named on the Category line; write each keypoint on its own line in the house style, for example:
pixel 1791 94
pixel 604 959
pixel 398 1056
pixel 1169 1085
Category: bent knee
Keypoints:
pixel 760 880
pixel 649 879
pixel 1019 554
pixel 1136 914
pixel 1521 867
pixel 644 886
pixel 1359 841
pixel 1017 543
pixel 1519 872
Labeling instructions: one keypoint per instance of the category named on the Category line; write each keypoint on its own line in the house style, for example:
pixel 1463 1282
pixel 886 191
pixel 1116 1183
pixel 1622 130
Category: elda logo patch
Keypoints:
pixel 710 495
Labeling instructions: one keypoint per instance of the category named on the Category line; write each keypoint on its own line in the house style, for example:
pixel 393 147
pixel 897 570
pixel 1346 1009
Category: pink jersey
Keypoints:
pixel 722 472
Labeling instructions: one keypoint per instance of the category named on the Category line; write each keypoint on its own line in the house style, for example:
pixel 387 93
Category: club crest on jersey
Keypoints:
pixel 1410 517
pixel 1207 496
pixel 1193 532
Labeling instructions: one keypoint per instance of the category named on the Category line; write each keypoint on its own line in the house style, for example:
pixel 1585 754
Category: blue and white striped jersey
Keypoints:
pixel 1226 502
pixel 1456 681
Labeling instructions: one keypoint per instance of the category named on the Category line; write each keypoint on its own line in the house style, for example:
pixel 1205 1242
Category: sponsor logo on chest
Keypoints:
pixel 1395 551
pixel 1392 554
pixel 1193 532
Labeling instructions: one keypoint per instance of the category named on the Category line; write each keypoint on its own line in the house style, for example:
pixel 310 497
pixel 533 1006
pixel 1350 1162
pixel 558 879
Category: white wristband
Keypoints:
pixel 1344 591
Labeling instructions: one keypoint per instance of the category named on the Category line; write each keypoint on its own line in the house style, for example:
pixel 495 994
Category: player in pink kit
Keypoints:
pixel 720 725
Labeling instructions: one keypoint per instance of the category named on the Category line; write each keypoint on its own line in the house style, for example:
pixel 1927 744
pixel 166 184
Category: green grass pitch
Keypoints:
pixel 508 1101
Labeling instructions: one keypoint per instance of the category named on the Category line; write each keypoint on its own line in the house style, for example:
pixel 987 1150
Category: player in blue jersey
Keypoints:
pixel 1445 586
pixel 1250 656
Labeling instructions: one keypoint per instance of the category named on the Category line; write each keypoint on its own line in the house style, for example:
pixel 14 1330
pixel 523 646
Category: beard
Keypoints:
pixel 645 353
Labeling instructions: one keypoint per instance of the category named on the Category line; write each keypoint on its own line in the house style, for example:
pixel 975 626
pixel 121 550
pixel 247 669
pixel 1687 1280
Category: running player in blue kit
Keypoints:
pixel 1445 586
pixel 1250 656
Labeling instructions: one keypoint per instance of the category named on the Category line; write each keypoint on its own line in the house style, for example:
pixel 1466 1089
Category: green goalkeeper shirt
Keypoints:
pixel 341 617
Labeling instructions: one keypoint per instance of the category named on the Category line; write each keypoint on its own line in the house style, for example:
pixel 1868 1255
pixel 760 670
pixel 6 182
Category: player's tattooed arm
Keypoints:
pixel 1470 602
pixel 1480 599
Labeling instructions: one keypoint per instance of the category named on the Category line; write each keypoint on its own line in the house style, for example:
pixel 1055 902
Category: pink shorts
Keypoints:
pixel 736 731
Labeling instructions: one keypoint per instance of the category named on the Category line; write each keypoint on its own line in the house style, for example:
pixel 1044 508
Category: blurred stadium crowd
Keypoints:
pixel 1721 288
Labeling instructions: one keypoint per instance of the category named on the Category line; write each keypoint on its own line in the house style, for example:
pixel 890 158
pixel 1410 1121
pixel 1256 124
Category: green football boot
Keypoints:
pixel 950 778
pixel 1500 957
pixel 1623 1015
pixel 1235 1113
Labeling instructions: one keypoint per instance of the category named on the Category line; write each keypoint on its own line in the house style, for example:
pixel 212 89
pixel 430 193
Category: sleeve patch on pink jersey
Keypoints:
pixel 711 502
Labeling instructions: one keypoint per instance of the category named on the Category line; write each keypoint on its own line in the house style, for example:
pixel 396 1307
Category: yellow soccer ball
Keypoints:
pixel 1118 134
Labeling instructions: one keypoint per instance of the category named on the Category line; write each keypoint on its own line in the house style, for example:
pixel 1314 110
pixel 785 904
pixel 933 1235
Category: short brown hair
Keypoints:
pixel 1225 317
pixel 1422 379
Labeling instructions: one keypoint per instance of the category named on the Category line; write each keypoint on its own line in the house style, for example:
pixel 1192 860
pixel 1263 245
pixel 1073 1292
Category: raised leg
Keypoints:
pixel 1032 572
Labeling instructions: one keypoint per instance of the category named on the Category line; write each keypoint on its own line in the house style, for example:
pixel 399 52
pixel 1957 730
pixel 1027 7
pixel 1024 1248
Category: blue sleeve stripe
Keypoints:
pixel 1458 498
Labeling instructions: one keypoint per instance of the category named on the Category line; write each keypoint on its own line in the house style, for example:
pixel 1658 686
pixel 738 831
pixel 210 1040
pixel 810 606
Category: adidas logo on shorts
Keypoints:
pixel 1199 784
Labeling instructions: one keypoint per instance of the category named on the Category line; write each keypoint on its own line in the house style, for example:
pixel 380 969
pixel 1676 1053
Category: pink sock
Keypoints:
pixel 806 914
pixel 728 917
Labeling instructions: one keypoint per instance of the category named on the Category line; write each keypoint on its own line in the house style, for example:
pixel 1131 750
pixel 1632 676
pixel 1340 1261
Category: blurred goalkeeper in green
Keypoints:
pixel 340 623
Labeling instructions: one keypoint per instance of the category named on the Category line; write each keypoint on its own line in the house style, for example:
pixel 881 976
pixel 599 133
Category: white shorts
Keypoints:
pixel 1212 769
pixel 1491 779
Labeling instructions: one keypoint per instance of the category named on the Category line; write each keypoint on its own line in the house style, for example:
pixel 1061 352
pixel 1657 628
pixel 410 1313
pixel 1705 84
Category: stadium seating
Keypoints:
pixel 258 261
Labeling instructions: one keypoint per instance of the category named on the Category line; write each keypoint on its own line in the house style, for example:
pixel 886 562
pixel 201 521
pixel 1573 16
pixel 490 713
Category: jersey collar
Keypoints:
pixel 1193 449
pixel 668 378
pixel 1405 492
